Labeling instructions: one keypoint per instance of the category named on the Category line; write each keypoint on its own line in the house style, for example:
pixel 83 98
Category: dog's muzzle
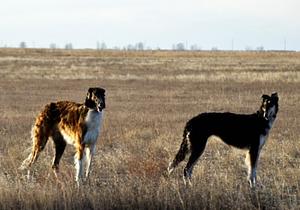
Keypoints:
pixel 100 107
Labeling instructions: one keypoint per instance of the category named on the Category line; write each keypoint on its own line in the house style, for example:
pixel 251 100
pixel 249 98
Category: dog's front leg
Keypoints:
pixel 252 157
pixel 90 151
pixel 78 159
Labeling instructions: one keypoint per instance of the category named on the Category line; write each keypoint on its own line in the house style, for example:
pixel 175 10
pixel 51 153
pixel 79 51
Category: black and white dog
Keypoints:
pixel 244 131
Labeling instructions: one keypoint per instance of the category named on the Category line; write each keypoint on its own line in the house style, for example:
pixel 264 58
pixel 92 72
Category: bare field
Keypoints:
pixel 150 96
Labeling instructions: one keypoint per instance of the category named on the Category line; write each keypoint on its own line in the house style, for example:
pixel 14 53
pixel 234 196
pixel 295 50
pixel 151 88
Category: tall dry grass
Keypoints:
pixel 150 96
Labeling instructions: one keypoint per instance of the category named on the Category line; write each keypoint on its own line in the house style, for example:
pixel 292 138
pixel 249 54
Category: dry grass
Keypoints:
pixel 150 96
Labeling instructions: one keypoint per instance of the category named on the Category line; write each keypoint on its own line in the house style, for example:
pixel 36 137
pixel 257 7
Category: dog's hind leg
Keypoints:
pixel 40 133
pixel 59 145
pixel 40 137
pixel 180 156
pixel 197 149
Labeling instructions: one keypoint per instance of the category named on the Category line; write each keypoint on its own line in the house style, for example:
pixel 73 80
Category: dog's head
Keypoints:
pixel 269 106
pixel 95 99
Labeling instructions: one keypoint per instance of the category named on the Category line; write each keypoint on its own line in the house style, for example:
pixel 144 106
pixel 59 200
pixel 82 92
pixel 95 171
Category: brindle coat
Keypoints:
pixel 72 123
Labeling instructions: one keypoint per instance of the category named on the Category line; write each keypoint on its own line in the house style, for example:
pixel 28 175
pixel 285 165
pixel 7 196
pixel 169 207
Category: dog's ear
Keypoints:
pixel 88 100
pixel 89 93
pixel 275 97
pixel 89 96
pixel 265 97
pixel 101 90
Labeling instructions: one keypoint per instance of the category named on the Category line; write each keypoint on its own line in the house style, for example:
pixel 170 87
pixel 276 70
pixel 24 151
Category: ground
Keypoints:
pixel 150 97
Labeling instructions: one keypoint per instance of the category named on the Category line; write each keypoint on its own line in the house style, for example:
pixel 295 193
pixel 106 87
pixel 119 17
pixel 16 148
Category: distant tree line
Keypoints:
pixel 140 46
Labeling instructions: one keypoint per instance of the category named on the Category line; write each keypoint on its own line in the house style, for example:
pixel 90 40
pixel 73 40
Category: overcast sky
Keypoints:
pixel 157 23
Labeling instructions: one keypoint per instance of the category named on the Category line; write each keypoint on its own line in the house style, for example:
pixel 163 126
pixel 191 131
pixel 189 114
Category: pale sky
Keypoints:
pixel 156 23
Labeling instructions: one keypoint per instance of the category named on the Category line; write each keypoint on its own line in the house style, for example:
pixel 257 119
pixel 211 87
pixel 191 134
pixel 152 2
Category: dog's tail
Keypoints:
pixel 183 151
pixel 40 133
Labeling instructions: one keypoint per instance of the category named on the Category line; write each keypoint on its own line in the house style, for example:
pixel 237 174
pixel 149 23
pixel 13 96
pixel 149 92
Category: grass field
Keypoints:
pixel 150 96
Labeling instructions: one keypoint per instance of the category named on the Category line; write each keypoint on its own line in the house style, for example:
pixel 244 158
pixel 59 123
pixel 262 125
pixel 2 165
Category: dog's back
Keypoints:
pixel 239 130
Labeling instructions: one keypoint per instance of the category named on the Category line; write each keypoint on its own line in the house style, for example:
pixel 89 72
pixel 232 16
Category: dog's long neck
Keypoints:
pixel 267 122
pixel 93 122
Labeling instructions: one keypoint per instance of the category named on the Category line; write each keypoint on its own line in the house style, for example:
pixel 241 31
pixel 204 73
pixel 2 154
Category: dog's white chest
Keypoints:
pixel 93 124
